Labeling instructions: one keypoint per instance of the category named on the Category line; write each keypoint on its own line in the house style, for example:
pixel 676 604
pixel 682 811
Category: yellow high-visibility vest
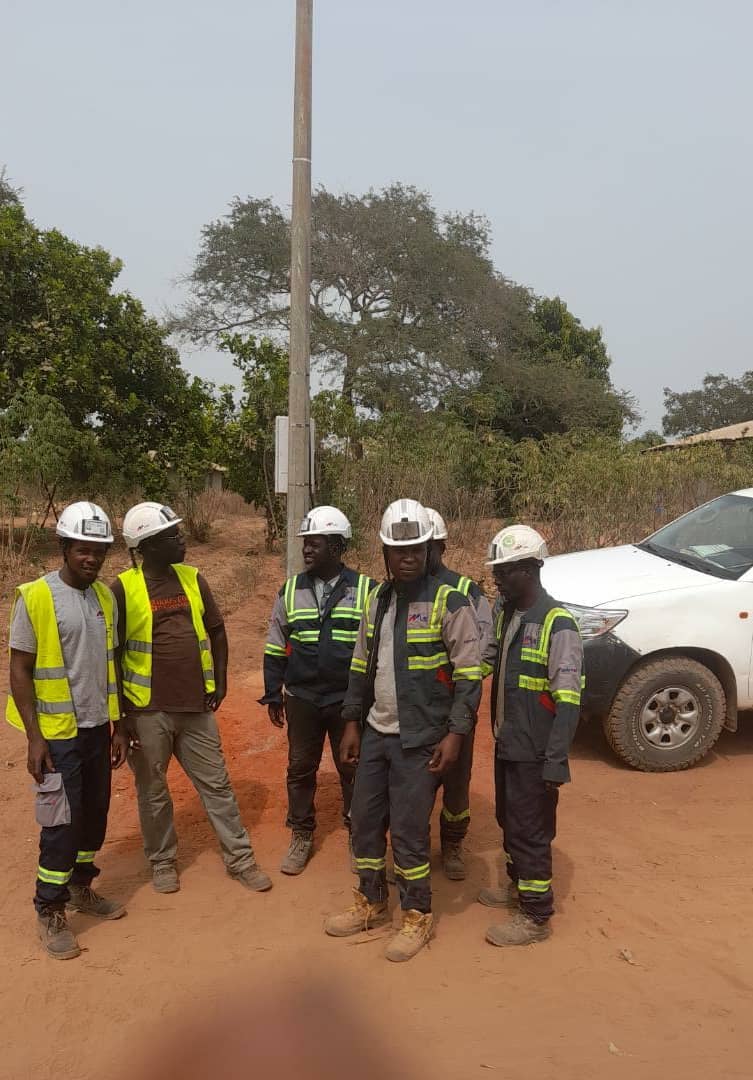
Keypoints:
pixel 55 712
pixel 137 653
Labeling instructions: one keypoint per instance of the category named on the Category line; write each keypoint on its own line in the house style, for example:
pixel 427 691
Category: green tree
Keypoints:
pixel 646 440
pixel 66 334
pixel 406 305
pixel 249 435
pixel 9 196
pixel 521 400
pixel 562 340
pixel 398 291
pixel 720 401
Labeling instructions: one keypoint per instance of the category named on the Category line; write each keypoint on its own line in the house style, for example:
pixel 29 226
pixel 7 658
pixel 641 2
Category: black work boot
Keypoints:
pixel 56 936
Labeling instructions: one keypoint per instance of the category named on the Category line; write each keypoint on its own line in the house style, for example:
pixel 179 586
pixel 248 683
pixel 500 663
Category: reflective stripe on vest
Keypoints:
pixel 137 654
pixel 54 702
pixel 312 616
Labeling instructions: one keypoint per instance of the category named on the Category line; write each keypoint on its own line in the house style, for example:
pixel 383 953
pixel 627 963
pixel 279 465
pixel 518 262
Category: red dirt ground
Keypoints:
pixel 649 973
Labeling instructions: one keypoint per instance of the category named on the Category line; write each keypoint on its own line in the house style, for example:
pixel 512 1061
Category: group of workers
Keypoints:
pixel 390 672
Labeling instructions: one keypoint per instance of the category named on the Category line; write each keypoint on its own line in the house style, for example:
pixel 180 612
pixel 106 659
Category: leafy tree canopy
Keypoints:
pixel 720 401
pixel 66 334
pixel 406 306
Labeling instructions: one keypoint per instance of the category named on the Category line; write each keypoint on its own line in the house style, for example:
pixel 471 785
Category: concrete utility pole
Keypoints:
pixel 300 286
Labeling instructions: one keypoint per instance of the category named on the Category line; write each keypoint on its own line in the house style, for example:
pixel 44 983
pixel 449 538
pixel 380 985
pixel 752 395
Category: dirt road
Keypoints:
pixel 649 973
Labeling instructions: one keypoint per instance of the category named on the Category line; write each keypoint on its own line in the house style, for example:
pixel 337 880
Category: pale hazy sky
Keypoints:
pixel 608 141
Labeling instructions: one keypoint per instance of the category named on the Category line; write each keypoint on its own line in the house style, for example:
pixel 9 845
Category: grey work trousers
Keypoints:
pixel 394 789
pixel 456 795
pixel 195 741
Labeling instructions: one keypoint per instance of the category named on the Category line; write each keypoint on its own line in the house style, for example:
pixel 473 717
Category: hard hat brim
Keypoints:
pixel 132 542
pixel 389 542
pixel 323 532
pixel 515 558
pixel 65 534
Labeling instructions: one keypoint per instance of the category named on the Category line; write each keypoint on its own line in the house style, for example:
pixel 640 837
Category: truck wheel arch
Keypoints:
pixel 713 661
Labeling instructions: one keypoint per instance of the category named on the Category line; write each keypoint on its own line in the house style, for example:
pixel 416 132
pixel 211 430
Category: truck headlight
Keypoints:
pixel 593 622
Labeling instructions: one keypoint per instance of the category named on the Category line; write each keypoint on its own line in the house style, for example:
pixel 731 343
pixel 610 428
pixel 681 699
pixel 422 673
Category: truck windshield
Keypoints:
pixel 716 538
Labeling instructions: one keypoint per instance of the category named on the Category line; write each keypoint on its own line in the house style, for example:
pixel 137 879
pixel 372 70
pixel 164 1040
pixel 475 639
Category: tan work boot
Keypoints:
pixel 84 899
pixel 254 878
pixel 507 896
pixel 56 936
pixel 165 879
pixel 520 930
pixel 453 860
pixel 361 915
pixel 416 930
pixel 299 853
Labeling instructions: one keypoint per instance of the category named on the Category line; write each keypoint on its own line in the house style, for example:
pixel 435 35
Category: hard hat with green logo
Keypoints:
pixel 516 543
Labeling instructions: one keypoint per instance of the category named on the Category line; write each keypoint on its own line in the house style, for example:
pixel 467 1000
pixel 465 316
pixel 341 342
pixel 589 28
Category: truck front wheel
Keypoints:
pixel 667 715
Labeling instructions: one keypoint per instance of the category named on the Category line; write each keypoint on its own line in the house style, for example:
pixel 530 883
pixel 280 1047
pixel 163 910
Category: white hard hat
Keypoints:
pixel 85 521
pixel 405 522
pixel 325 521
pixel 515 543
pixel 440 527
pixel 147 519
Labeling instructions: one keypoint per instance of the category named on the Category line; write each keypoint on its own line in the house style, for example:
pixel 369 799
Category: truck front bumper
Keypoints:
pixel 607 662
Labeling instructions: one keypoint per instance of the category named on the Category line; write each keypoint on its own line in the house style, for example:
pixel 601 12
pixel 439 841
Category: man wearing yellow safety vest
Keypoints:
pixel 64 694
pixel 412 699
pixel 174 660
pixel 312 633
pixel 536 693
pixel 455 817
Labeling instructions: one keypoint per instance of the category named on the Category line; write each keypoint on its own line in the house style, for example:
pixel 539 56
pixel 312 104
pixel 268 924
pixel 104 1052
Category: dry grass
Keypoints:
pixel 595 493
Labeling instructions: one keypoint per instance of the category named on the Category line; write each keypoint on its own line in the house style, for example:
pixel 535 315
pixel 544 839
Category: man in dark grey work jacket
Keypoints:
pixel 412 699
pixel 538 678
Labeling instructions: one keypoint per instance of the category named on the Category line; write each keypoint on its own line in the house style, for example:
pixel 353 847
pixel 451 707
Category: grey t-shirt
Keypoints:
pixel 383 715
pixel 83 637
pixel 512 629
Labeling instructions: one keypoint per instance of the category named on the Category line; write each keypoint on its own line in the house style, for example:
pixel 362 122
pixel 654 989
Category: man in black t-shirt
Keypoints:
pixel 174 659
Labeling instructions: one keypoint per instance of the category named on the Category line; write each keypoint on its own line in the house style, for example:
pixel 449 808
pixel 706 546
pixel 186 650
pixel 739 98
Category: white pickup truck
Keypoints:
pixel 668 632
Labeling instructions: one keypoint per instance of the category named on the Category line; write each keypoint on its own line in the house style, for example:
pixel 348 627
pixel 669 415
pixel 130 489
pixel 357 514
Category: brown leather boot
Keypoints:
pixel 88 902
pixel 453 860
pixel 361 915
pixel 416 930
pixel 298 854
pixel 506 896
pixel 165 878
pixel 56 936
pixel 253 878
pixel 520 930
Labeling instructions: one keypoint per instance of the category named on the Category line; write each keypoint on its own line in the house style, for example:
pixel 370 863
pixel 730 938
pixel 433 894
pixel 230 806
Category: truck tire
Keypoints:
pixel 667 715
